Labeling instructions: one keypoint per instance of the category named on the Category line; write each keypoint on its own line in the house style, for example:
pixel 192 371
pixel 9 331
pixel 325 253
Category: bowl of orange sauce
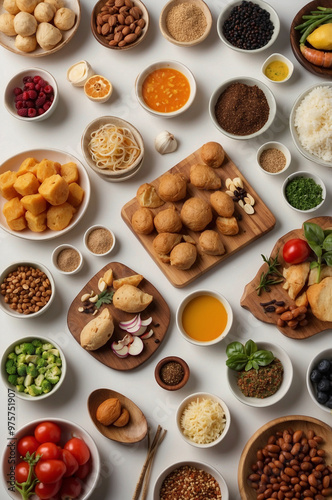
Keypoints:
pixel 165 88
pixel 204 317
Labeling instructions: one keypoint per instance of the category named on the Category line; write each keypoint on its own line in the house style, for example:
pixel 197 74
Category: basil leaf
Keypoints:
pixel 316 248
pixel 327 243
pixel 327 232
pixel 313 233
pixel 237 362
pixel 234 348
pixel 328 258
pixel 248 366
pixel 250 347
pixel 313 264
pixel 255 365
pixel 263 358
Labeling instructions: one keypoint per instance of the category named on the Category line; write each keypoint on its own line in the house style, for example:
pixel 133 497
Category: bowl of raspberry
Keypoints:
pixel 31 95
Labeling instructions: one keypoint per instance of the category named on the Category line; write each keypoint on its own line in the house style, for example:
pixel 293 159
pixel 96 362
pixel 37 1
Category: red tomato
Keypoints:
pixel 47 491
pixel 70 462
pixel 296 251
pixel 21 472
pixel 50 471
pixel 83 470
pixel 79 449
pixel 47 432
pixel 48 451
pixel 27 444
pixel 71 488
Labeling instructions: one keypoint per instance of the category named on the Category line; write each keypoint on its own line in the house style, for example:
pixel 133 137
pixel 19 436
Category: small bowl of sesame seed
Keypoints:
pixel 273 158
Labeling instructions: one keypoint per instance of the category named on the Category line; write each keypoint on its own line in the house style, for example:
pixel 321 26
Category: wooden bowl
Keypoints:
pixel 295 36
pixel 261 436
pixel 162 363
pixel 134 431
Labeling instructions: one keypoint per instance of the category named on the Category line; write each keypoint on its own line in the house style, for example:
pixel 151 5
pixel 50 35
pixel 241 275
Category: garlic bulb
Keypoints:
pixel 79 73
pixel 165 142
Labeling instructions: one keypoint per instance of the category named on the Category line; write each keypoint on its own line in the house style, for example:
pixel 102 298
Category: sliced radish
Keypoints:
pixel 127 339
pixel 138 332
pixel 132 322
pixel 146 322
pixel 122 353
pixel 117 346
pixel 136 347
pixel 147 335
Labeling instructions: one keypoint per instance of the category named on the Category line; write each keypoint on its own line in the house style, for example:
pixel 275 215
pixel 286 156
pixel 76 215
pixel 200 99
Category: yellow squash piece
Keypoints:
pixel 321 37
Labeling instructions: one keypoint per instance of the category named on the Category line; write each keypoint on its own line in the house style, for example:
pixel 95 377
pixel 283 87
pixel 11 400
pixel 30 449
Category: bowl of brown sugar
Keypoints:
pixel 273 158
pixel 67 259
pixel 242 108
pixel 99 240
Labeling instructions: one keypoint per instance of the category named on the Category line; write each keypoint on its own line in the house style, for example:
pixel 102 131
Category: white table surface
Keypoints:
pixel 211 62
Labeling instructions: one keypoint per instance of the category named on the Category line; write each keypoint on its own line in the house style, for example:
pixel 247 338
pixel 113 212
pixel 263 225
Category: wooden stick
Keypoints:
pixel 148 471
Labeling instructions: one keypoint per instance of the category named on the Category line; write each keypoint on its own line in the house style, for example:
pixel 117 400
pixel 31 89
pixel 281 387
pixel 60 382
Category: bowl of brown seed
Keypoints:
pixel 26 289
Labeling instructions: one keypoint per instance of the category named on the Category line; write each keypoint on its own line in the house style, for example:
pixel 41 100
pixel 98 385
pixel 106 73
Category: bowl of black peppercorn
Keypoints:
pixel 248 27
pixel 319 380
pixel 172 373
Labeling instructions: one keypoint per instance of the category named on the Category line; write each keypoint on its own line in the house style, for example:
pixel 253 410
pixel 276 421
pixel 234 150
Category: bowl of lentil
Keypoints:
pixel 185 22
pixel 99 240
pixel 318 380
pixel 67 259
pixel 235 31
pixel 27 289
pixel 273 158
pixel 172 373
pixel 265 386
pixel 242 108
pixel 304 192
pixel 188 478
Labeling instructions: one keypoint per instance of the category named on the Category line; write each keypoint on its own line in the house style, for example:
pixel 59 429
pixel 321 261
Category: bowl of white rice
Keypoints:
pixel 311 123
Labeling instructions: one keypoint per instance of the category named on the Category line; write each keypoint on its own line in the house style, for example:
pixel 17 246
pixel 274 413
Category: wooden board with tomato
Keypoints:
pixel 251 300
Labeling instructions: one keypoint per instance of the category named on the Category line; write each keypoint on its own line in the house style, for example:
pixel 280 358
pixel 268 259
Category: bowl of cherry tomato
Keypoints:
pixel 54 459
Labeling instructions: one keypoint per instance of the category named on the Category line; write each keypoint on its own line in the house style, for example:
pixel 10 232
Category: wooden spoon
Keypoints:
pixel 134 431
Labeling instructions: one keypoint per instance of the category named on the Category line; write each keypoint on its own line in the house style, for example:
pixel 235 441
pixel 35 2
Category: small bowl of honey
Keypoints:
pixel 277 68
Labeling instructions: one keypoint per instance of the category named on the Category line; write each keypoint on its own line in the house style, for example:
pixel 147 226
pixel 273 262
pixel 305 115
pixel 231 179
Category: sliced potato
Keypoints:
pixel 133 280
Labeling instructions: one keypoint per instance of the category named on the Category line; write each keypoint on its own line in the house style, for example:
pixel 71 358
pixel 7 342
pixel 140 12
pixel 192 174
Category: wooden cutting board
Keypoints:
pixel 251 226
pixel 251 301
pixel 158 309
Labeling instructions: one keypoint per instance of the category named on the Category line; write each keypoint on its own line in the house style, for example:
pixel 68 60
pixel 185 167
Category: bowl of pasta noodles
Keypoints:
pixel 112 147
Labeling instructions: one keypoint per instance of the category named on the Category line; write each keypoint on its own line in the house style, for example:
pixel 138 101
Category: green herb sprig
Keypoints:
pixel 26 489
pixel 320 242
pixel 272 276
pixel 247 356
pixel 104 298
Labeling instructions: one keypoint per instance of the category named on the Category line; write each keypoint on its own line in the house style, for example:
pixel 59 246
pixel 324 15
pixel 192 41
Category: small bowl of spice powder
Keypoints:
pixel 304 192
pixel 273 158
pixel 172 373
pixel 67 259
pixel 185 22
pixel 99 240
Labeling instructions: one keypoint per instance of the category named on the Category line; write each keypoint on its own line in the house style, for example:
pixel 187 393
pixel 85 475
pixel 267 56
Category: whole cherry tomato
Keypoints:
pixel 27 444
pixel 50 471
pixel 79 449
pixel 71 488
pixel 296 251
pixel 70 462
pixel 47 432
pixel 83 470
pixel 21 472
pixel 47 491
pixel 48 451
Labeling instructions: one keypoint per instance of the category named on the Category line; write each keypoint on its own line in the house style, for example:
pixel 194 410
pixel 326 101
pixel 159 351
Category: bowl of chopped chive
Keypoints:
pixel 273 158
pixel 172 373
pixel 304 192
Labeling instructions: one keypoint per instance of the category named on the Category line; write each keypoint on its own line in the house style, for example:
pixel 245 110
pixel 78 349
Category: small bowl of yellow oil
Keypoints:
pixel 277 68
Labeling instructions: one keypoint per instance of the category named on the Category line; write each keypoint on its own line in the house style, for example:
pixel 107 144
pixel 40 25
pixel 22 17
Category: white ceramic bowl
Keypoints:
pixel 247 81
pixel 86 236
pixel 274 145
pixel 165 64
pixel 12 267
pixel 23 395
pixel 307 175
pixel 17 81
pixel 61 157
pixel 285 384
pixel 200 396
pixel 56 253
pixel 326 354
pixel 69 429
pixel 190 297
pixel 293 130
pixel 198 465
pixel 225 13
pixel 277 57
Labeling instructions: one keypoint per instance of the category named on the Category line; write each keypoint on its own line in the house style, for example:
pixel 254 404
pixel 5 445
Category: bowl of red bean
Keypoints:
pixel 290 456
pixel 26 289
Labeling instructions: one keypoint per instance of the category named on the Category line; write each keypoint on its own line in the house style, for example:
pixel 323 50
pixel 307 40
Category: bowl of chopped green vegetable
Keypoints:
pixel 33 367
pixel 304 192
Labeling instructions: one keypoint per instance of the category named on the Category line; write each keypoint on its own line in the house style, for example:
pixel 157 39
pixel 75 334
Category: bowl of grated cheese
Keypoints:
pixel 203 419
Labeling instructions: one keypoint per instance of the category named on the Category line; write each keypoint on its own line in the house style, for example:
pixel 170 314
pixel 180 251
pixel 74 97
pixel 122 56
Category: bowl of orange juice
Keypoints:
pixel 204 317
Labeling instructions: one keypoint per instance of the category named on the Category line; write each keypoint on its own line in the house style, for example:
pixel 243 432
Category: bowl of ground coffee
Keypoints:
pixel 242 108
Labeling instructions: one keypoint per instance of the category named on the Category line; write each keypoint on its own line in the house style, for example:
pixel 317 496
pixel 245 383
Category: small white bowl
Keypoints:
pixel 225 13
pixel 326 354
pixel 186 301
pixel 68 430
pixel 55 255
pixel 307 175
pixel 274 145
pixel 201 396
pixel 11 312
pixel 165 64
pixel 277 57
pixel 285 384
pixel 247 81
pixel 87 234
pixel 23 395
pixel 17 81
pixel 198 465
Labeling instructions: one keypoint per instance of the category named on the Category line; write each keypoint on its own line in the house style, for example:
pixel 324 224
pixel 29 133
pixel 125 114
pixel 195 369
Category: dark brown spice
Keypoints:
pixel 242 109
pixel 189 483
pixel 172 373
